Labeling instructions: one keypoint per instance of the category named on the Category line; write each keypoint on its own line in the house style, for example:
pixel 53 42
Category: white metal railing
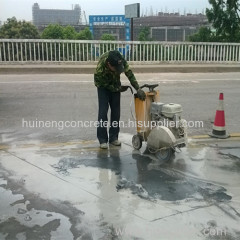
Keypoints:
pixel 40 50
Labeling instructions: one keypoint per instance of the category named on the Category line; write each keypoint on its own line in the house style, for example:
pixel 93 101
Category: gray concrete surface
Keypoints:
pixel 58 184
pixel 74 190
pixel 79 68
pixel 74 98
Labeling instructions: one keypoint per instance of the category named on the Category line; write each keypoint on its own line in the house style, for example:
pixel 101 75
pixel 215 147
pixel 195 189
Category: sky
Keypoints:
pixel 22 9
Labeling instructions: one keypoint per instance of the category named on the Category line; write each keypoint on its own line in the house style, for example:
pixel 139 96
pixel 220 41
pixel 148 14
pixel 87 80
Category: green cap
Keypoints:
pixel 116 60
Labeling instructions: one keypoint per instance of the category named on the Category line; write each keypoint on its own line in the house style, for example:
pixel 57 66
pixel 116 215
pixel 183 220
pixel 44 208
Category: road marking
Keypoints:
pixel 232 135
pixel 91 81
pixel 14 82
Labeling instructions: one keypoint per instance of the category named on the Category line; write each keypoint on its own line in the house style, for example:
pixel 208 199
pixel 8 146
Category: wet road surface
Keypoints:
pixel 74 190
pixel 57 183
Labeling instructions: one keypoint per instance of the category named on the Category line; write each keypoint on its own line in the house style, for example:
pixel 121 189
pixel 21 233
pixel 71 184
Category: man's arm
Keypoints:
pixel 129 74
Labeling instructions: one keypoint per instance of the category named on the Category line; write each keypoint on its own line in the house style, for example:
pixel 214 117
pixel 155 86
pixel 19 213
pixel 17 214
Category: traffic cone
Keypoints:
pixel 219 130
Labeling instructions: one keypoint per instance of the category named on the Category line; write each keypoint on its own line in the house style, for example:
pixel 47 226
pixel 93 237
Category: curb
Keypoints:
pixel 89 69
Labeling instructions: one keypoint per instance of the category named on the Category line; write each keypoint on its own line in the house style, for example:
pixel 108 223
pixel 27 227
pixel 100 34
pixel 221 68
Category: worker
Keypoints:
pixel 107 80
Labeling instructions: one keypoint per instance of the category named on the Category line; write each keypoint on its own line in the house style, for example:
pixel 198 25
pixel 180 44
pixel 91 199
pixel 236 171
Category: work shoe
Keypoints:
pixel 103 146
pixel 116 143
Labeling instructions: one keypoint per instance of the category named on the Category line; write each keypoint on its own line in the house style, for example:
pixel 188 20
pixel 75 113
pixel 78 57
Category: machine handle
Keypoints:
pixel 130 89
pixel 150 86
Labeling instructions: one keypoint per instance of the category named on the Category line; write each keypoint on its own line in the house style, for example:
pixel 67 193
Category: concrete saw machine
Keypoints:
pixel 160 125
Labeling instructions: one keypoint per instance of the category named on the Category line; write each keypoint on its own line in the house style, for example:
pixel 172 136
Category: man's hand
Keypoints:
pixel 141 94
pixel 124 88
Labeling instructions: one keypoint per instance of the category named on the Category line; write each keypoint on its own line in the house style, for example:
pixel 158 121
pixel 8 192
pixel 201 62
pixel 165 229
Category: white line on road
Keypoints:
pixel 90 81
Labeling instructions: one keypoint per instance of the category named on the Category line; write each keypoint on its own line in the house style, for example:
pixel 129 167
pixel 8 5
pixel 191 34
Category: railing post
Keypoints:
pixel 67 52
pixel 55 52
pixel 21 52
pixel 71 52
pixel 30 51
pixel 238 53
pixel 9 53
pixel 227 55
pixel 1 52
pixel 39 55
pixel 34 51
pixel 235 53
pixel 230 54
pixel 13 57
pixel 17 52
pixel 26 58
pixel 59 54
pixel 75 58
pixel 4 52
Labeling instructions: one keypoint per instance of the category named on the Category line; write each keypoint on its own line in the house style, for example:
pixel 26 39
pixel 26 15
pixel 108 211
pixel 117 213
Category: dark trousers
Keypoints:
pixel 106 99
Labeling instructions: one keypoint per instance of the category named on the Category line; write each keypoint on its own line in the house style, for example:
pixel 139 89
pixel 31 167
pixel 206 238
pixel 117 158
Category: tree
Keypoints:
pixel 53 31
pixel 85 34
pixel 144 34
pixel 204 34
pixel 224 17
pixel 107 37
pixel 14 29
pixel 69 32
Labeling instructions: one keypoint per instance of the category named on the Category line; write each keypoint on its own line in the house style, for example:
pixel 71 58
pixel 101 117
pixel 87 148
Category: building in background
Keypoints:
pixel 170 26
pixel 43 17
pixel 163 27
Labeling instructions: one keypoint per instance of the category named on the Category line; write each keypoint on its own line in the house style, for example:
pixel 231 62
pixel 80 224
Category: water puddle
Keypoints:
pixel 137 173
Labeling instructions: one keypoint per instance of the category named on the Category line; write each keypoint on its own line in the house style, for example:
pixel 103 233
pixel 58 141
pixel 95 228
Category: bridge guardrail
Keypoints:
pixel 42 50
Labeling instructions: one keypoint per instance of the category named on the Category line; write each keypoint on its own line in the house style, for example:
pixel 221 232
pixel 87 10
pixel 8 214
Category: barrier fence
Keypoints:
pixel 35 51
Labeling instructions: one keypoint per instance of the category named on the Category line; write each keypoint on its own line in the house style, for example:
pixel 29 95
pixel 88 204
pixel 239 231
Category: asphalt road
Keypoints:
pixel 28 98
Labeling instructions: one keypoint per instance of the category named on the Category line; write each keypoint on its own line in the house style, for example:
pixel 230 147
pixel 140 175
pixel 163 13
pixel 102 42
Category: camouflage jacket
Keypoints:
pixel 104 77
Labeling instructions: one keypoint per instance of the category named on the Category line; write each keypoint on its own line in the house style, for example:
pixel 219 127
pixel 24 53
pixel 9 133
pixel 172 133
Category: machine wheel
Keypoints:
pixel 137 142
pixel 164 155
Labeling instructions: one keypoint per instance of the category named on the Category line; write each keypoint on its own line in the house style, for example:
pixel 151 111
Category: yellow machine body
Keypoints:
pixel 142 110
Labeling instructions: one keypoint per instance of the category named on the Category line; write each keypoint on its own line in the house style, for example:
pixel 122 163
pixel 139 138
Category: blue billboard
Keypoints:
pixel 119 19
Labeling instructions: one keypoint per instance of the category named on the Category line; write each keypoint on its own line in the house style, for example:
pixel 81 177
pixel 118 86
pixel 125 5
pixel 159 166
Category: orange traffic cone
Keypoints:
pixel 219 130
